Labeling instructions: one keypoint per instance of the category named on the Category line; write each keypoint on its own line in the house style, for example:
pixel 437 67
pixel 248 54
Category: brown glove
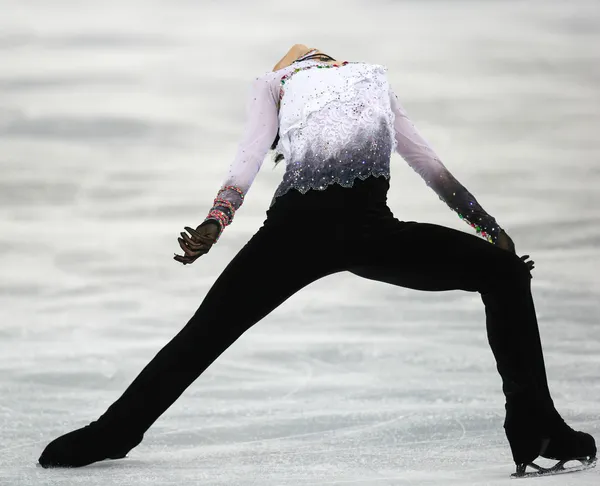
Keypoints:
pixel 505 242
pixel 201 241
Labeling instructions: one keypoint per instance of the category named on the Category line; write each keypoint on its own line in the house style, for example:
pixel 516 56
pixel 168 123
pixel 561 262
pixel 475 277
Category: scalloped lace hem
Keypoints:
pixel 347 183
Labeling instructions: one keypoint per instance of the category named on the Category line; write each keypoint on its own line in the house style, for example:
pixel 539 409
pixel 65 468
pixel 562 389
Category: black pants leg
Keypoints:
pixel 431 257
pixel 280 259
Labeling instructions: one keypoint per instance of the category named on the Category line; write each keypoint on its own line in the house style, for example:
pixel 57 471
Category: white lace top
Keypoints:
pixel 335 124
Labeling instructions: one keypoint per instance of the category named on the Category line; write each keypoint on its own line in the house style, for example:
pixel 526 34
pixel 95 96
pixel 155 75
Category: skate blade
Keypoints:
pixel 558 468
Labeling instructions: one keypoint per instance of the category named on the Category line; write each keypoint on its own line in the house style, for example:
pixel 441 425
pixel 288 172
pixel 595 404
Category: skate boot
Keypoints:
pixel 89 444
pixel 565 444
pixel 551 438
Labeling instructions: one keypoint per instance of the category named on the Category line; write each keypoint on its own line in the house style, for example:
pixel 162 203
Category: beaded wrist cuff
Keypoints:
pixel 224 203
pixel 491 235
pixel 220 217
pixel 223 209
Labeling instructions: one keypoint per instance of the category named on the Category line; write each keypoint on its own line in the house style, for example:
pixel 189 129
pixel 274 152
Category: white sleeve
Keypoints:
pixel 422 158
pixel 260 130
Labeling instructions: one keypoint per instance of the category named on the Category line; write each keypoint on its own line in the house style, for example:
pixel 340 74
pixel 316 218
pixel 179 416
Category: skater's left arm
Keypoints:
pixel 422 158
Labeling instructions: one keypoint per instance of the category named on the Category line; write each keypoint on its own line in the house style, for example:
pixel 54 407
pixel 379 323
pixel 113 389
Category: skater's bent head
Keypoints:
pixel 295 53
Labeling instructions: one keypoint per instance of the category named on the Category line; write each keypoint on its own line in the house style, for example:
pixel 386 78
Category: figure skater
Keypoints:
pixel 336 124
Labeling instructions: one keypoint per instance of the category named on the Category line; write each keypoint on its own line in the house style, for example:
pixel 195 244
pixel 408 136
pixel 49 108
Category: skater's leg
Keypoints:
pixel 275 264
pixel 431 257
pixel 264 274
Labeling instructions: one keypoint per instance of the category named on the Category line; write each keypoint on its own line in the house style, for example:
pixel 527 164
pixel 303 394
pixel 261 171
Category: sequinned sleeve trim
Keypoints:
pixel 422 158
pixel 259 133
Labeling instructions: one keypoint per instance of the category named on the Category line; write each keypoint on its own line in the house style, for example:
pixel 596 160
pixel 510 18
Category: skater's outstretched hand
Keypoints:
pixel 201 241
pixel 505 242
pixel 530 264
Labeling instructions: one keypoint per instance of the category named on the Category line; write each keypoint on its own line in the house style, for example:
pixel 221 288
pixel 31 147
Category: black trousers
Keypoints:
pixel 308 236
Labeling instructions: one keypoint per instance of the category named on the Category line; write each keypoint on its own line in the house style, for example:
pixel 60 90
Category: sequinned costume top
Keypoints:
pixel 336 124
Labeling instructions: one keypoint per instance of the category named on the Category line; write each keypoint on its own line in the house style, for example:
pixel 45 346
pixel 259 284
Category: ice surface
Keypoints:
pixel 118 120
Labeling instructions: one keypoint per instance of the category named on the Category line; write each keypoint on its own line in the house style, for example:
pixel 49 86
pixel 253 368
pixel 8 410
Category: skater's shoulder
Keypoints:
pixel 266 77
pixel 267 80
pixel 274 81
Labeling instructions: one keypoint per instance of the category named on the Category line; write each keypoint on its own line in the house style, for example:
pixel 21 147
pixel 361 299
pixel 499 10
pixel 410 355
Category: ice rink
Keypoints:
pixel 118 122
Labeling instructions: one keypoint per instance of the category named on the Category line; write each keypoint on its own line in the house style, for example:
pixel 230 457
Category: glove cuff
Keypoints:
pixel 217 217
pixel 228 200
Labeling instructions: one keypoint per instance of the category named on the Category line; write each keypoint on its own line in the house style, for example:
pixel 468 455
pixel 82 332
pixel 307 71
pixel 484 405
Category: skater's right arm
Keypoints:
pixel 262 123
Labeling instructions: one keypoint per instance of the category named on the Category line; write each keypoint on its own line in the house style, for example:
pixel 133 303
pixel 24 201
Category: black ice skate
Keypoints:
pixel 84 446
pixel 558 441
